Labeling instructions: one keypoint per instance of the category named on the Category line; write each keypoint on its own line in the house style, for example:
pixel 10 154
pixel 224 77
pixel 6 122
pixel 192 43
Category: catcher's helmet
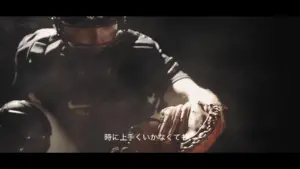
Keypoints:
pixel 23 128
pixel 85 27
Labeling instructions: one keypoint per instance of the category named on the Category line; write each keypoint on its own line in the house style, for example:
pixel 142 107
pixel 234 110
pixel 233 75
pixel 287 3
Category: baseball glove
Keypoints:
pixel 165 131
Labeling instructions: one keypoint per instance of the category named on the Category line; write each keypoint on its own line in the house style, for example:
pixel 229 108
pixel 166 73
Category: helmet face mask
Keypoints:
pixel 87 31
pixel 88 21
pixel 90 36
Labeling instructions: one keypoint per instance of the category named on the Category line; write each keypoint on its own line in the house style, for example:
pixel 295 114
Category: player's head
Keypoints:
pixel 88 31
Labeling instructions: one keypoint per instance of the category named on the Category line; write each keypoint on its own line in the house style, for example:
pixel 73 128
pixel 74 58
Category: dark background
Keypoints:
pixel 232 56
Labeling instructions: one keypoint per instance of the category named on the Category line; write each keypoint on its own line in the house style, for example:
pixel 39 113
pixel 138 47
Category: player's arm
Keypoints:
pixel 24 76
pixel 30 64
pixel 204 107
pixel 178 81
pixel 193 92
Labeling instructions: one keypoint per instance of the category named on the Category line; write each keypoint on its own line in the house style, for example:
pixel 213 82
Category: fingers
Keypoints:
pixel 166 124
pixel 176 119
pixel 184 118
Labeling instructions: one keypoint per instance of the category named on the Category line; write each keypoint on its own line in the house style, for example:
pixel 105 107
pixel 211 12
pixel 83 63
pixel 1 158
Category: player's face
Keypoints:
pixel 100 36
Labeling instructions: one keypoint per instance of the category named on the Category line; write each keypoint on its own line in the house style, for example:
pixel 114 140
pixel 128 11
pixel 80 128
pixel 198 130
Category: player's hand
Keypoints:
pixel 174 119
pixel 197 124
pixel 182 119
pixel 195 120
pixel 191 127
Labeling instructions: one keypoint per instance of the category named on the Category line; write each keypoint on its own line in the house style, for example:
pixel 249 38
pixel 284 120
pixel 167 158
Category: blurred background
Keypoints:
pixel 232 56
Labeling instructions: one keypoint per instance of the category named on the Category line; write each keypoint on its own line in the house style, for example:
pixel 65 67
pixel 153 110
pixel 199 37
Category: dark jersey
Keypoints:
pixel 96 98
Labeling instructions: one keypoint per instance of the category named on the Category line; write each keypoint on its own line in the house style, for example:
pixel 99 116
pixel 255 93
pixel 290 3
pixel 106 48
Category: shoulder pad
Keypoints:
pixel 143 41
pixel 36 43
pixel 41 35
